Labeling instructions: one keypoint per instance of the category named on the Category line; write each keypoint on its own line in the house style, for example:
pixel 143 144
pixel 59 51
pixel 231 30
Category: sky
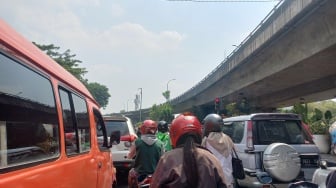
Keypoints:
pixel 131 44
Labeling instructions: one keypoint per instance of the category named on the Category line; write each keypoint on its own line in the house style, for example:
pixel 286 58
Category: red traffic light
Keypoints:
pixel 217 100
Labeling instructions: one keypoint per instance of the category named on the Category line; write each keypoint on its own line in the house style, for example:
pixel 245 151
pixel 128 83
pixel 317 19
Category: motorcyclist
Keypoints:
pixel 147 151
pixel 188 164
pixel 332 132
pixel 219 144
pixel 163 135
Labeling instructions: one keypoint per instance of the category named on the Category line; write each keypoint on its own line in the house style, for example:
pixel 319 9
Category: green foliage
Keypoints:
pixel 161 112
pixel 239 107
pixel 301 109
pixel 68 61
pixel 166 95
pixel 318 115
pixel 243 106
pixel 65 59
pixel 100 93
pixel 232 109
pixel 319 127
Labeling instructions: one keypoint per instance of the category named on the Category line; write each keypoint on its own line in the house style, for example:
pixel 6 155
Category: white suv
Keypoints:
pixel 127 136
pixel 275 144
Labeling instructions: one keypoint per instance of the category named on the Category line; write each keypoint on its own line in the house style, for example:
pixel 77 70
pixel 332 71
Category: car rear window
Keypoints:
pixel 117 126
pixel 285 131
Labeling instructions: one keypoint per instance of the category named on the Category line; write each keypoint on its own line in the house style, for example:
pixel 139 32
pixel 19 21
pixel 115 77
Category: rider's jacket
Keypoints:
pixel 148 152
pixel 165 139
pixel 169 172
pixel 221 146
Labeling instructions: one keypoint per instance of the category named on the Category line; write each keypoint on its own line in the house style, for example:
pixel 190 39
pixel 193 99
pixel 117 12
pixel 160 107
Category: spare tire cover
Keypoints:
pixel 282 162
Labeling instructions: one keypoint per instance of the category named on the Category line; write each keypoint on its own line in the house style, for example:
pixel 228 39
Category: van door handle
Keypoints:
pixel 99 164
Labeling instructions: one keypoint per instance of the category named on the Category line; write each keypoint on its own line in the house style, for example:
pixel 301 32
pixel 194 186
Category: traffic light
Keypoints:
pixel 216 104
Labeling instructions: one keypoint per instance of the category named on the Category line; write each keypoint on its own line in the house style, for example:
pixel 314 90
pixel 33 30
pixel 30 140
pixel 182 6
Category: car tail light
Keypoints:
pixel 127 165
pixel 249 136
pixel 128 139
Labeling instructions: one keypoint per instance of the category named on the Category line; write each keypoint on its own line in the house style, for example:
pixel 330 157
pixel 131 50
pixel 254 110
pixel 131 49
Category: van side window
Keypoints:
pixel 100 128
pixel 29 128
pixel 76 123
pixel 83 123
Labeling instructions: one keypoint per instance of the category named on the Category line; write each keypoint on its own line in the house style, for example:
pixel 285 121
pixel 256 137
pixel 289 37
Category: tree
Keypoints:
pixel 161 112
pixel 301 109
pixel 65 59
pixel 68 61
pixel 166 95
pixel 318 115
pixel 100 93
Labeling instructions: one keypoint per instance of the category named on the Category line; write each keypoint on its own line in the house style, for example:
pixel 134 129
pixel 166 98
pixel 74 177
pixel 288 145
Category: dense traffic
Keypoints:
pixel 54 135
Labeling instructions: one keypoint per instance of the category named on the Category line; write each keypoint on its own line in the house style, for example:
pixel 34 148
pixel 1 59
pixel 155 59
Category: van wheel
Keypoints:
pixel 282 162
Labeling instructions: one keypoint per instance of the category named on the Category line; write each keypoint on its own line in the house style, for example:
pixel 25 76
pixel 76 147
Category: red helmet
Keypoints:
pixel 184 124
pixel 148 127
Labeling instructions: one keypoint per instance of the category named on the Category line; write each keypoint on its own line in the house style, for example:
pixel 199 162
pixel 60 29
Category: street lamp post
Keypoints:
pixel 127 105
pixel 167 88
pixel 140 101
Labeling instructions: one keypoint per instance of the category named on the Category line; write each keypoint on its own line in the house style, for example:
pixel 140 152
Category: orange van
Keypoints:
pixel 49 123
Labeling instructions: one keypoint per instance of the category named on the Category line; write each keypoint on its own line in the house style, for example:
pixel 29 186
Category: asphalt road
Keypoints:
pixel 122 177
pixel 122 180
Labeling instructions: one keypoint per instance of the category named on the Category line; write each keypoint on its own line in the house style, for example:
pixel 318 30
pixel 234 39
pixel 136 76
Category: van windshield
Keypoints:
pixel 284 131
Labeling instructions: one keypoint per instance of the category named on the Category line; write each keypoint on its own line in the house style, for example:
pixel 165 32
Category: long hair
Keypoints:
pixel 189 159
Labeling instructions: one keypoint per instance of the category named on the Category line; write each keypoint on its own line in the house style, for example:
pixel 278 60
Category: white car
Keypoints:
pixel 127 137
pixel 275 145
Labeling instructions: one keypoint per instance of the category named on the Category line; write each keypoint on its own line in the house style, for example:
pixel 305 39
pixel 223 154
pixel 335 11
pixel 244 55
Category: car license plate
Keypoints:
pixel 309 161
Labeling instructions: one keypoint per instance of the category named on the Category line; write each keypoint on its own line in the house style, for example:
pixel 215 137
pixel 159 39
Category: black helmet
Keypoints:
pixel 212 123
pixel 163 126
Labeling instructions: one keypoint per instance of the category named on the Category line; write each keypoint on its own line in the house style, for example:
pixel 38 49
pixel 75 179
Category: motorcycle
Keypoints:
pixel 138 181
pixel 145 182
pixel 303 184
pixel 265 178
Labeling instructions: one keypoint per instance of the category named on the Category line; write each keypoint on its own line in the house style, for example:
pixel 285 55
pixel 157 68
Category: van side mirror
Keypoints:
pixel 114 138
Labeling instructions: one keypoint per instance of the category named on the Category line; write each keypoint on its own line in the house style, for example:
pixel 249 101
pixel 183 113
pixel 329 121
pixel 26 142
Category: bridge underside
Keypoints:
pixel 295 65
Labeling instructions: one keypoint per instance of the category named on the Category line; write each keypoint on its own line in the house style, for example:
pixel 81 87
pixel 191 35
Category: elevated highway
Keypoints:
pixel 289 57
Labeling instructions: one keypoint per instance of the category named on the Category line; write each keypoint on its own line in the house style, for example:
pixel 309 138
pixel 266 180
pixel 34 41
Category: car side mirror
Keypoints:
pixel 115 138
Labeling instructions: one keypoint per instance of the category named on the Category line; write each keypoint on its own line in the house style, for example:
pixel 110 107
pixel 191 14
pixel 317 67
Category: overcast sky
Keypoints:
pixel 131 44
